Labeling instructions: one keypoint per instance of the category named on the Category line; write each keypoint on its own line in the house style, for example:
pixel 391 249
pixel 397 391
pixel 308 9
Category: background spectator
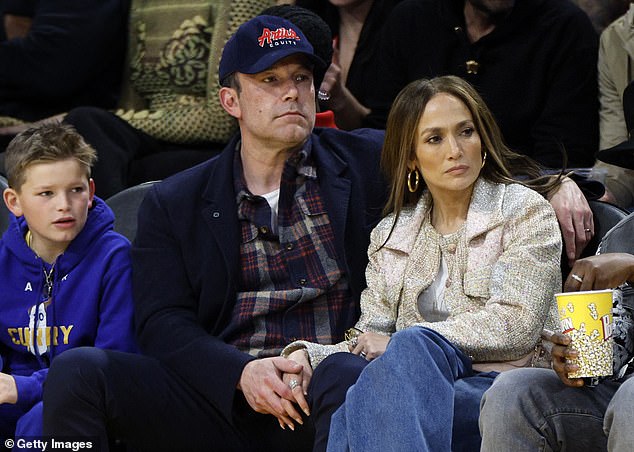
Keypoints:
pixel 170 117
pixel 602 12
pixel 356 27
pixel 72 55
pixel 616 115
pixel 533 61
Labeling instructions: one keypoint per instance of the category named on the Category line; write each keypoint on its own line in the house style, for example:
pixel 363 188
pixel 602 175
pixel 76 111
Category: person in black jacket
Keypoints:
pixel 72 55
pixel 533 61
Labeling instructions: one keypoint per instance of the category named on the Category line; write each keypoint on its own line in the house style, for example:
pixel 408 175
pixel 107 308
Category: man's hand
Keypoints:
pixel 575 218
pixel 603 271
pixel 370 345
pixel 562 352
pixel 8 389
pixel 263 388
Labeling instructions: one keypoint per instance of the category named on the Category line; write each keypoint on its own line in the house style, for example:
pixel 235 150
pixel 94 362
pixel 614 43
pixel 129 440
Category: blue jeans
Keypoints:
pixel 418 395
pixel 531 409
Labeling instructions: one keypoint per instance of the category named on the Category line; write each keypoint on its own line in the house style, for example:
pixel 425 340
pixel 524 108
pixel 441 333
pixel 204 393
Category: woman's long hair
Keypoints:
pixel 502 165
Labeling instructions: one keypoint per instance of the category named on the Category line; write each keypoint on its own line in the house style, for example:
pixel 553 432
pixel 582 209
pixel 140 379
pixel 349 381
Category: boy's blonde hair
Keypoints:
pixel 45 143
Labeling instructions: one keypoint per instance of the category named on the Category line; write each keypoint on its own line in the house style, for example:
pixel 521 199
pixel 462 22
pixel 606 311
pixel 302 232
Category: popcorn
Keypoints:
pixel 595 357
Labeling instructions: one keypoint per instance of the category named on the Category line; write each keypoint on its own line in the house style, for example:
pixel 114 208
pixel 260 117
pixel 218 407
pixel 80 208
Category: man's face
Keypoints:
pixel 493 7
pixel 276 107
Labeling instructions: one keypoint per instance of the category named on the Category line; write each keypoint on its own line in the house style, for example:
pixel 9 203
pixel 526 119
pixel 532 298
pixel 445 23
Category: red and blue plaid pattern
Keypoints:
pixel 291 284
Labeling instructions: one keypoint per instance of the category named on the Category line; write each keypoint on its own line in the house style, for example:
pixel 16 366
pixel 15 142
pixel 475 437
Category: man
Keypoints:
pixel 550 411
pixel 533 61
pixel 233 260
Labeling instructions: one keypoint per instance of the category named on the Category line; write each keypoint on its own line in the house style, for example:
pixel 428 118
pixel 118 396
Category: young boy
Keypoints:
pixel 64 273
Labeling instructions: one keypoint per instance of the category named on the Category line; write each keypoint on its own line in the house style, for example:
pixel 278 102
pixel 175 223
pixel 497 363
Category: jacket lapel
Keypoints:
pixel 220 211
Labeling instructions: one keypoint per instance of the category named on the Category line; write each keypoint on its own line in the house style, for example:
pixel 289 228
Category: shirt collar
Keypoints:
pixel 300 161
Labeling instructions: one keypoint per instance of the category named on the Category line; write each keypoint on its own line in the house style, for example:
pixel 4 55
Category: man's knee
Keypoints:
pixel 339 370
pixel 75 371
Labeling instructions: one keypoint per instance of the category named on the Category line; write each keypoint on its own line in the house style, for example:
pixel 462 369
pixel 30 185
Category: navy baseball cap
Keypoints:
pixel 261 42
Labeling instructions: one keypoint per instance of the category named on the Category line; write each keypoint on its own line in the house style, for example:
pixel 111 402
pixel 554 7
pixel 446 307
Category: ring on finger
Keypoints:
pixel 363 355
pixel 293 384
pixel 577 278
pixel 323 95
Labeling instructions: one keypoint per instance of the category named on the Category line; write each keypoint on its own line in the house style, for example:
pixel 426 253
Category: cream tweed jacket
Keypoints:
pixel 502 280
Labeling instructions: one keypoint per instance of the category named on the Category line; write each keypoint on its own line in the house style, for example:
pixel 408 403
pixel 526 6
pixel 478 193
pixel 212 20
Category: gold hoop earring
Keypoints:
pixel 414 187
pixel 484 159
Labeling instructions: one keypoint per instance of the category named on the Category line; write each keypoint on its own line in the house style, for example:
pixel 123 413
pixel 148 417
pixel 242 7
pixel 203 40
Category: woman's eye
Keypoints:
pixel 434 139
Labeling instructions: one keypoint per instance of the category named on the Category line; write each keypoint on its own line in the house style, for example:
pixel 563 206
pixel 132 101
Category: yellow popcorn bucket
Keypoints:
pixel 587 318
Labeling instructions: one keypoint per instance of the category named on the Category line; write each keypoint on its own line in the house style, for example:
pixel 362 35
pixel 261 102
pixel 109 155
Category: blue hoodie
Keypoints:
pixel 90 302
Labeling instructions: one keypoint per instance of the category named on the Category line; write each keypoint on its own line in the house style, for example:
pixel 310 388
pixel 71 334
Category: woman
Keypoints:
pixel 466 257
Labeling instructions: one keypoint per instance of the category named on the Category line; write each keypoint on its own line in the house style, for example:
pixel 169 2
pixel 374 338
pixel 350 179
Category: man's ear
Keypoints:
pixel 12 201
pixel 229 101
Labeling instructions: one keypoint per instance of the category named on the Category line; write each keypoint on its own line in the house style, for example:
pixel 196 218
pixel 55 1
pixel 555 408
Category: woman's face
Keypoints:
pixel 448 148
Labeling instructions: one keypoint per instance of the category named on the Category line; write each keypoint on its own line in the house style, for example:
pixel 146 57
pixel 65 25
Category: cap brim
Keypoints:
pixel 620 155
pixel 264 63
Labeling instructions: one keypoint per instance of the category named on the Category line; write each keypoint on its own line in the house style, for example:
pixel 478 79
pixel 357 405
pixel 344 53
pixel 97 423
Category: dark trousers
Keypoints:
pixel 103 395
pixel 128 156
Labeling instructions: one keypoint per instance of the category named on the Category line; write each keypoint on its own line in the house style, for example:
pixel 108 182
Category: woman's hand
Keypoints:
pixel 298 382
pixel 369 345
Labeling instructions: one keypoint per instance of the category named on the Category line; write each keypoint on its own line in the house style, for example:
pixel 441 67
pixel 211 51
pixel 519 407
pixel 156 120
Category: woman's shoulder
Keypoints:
pixel 520 193
pixel 398 228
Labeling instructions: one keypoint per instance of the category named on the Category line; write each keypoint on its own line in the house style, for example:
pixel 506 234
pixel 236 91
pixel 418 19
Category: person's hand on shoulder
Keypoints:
pixel 575 218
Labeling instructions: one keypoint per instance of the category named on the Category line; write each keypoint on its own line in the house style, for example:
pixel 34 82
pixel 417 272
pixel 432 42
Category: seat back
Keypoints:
pixel 619 239
pixel 605 216
pixel 4 212
pixel 125 206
